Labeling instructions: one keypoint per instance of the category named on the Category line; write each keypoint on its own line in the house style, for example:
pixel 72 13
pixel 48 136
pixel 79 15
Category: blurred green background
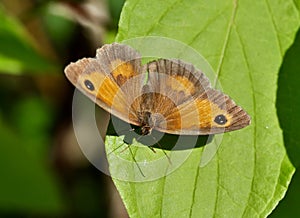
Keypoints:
pixel 43 172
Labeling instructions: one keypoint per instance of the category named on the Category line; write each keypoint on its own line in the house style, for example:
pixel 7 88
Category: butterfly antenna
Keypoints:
pixel 116 148
pixel 128 147
pixel 130 130
pixel 138 166
pixel 169 159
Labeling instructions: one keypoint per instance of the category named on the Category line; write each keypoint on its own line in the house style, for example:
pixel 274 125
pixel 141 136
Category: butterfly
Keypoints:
pixel 167 95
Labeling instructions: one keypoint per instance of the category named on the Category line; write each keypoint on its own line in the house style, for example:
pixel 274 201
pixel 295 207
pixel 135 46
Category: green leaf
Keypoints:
pixel 289 206
pixel 18 53
pixel 244 42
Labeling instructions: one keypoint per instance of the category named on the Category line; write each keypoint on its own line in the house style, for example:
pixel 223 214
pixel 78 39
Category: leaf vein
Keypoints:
pixel 226 41
pixel 194 190
pixel 297 7
pixel 285 186
pixel 204 28
pixel 218 182
pixel 163 190
pixel 274 26
pixel 254 117
pixel 214 84
pixel 162 16
pixel 230 197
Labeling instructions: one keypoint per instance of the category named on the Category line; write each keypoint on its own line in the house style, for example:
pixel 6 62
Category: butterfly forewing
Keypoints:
pixel 108 75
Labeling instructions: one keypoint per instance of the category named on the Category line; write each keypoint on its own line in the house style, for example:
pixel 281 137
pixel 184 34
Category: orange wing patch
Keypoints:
pixel 122 71
pixel 195 117
pixel 105 89
pixel 185 86
pixel 207 113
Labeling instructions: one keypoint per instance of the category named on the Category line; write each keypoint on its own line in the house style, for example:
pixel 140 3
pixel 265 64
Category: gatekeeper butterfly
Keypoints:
pixel 167 95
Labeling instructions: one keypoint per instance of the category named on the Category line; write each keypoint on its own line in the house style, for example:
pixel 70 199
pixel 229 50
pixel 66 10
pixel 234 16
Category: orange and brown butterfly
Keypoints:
pixel 170 96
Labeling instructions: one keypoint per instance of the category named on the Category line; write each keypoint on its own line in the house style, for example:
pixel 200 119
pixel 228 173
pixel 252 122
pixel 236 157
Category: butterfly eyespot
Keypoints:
pixel 89 85
pixel 220 119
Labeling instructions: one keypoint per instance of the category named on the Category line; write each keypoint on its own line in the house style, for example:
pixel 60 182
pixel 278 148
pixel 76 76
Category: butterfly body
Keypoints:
pixel 170 96
pixel 146 121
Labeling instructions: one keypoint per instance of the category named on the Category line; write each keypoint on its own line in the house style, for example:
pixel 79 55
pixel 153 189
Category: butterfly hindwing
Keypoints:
pixel 176 79
pixel 194 108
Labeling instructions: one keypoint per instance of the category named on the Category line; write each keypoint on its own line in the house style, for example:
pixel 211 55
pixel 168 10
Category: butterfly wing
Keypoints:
pixel 179 96
pixel 104 79
pixel 186 104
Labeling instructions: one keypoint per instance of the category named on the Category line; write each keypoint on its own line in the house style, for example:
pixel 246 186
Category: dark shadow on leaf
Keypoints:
pixel 288 100
pixel 156 139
